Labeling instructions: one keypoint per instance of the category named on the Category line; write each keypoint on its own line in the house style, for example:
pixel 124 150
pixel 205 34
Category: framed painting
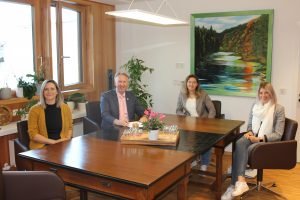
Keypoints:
pixel 231 52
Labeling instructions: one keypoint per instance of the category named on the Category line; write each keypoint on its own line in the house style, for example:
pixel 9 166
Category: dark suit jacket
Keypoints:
pixel 110 107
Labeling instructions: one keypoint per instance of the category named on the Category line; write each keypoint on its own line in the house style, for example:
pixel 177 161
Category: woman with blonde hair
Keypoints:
pixel 50 121
pixel 266 124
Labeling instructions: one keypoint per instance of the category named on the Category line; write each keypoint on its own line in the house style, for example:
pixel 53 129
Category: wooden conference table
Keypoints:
pixel 98 162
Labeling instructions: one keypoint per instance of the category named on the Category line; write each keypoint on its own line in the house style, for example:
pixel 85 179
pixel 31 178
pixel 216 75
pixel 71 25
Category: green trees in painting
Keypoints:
pixel 249 40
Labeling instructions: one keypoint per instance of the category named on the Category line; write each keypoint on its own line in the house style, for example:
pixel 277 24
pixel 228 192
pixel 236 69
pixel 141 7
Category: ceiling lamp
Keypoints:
pixel 146 16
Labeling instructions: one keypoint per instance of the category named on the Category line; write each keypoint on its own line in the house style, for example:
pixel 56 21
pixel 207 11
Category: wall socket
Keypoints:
pixel 179 65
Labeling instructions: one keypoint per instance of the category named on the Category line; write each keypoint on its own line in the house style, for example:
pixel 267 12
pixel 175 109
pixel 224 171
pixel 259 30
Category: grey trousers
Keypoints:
pixel 240 158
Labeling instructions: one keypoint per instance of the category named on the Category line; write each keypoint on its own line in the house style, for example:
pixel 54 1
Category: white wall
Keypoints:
pixel 163 47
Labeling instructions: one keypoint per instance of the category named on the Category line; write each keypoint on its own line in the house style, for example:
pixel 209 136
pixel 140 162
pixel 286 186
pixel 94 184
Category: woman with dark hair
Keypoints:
pixel 193 101
pixel 266 124
pixel 50 121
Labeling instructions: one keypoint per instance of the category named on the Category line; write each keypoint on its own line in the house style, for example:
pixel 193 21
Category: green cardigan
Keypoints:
pixel 37 123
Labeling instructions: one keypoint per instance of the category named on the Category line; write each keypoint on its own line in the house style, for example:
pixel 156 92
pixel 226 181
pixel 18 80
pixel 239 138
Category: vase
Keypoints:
pixel 81 107
pixel 153 135
pixel 71 105
pixel 19 92
pixel 5 93
pixel 38 89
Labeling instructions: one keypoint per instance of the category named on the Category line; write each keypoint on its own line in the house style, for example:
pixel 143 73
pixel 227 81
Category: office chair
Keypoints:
pixel 218 107
pixel 31 185
pixel 92 121
pixel 21 144
pixel 274 155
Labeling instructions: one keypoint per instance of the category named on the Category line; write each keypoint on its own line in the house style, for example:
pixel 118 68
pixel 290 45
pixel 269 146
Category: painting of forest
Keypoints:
pixel 231 52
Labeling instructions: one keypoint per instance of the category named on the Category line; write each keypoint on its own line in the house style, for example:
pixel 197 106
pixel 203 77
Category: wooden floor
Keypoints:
pixel 287 181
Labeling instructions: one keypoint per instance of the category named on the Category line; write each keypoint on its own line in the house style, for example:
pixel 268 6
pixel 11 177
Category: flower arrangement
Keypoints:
pixel 154 120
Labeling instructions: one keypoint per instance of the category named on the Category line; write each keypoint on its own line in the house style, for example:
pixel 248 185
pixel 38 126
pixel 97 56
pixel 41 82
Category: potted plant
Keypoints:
pixel 5 93
pixel 21 83
pixel 78 100
pixel 29 90
pixel 23 112
pixel 135 68
pixel 154 123
pixel 38 79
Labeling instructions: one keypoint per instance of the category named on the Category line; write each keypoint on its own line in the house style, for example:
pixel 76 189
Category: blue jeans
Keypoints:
pixel 205 157
pixel 240 158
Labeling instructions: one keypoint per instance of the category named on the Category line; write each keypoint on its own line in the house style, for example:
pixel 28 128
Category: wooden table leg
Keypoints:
pixel 219 172
pixel 83 194
pixel 182 189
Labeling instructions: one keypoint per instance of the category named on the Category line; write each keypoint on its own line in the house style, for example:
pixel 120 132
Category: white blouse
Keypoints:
pixel 191 106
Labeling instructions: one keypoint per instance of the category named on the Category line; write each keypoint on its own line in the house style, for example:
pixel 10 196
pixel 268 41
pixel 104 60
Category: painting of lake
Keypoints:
pixel 231 52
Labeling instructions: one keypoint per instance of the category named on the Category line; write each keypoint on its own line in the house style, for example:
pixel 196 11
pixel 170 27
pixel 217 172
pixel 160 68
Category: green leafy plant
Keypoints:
pixel 29 90
pixel 21 82
pixel 77 98
pixel 38 77
pixel 154 120
pixel 135 68
pixel 22 112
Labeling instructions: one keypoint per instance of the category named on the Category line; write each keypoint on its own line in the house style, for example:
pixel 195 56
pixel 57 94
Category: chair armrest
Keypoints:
pixel 89 126
pixel 19 147
pixel 33 185
pixel 274 155
pixel 20 163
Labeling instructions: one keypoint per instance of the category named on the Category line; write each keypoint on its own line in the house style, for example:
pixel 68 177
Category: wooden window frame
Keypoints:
pixel 85 66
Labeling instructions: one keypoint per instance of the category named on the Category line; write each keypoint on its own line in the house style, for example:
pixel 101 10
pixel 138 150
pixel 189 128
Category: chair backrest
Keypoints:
pixel 93 111
pixel 33 185
pixel 22 127
pixel 290 129
pixel 218 107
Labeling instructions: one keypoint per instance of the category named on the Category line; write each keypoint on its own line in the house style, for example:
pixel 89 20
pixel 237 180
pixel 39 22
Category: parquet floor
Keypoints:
pixel 288 184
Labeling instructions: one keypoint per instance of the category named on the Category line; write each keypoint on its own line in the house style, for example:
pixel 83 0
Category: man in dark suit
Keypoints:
pixel 119 106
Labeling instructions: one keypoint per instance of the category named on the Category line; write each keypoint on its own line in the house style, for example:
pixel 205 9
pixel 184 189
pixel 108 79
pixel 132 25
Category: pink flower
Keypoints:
pixel 154 121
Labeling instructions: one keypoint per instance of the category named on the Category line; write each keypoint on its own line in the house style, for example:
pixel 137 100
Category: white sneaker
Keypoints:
pixel 251 173
pixel 194 163
pixel 240 188
pixel 203 167
pixel 228 194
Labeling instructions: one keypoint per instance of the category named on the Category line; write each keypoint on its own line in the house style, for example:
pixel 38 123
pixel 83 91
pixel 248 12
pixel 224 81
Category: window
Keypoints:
pixel 67 30
pixel 16 42
pixel 58 38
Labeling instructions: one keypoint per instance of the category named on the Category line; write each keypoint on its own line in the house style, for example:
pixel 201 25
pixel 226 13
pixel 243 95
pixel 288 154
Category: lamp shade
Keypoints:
pixel 145 16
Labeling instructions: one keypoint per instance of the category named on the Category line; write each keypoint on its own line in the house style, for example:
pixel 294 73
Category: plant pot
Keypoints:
pixel 153 134
pixel 24 117
pixel 38 89
pixel 81 106
pixel 71 105
pixel 5 93
pixel 19 92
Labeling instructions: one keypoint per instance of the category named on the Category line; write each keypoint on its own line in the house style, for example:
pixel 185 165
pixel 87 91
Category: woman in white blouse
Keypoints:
pixel 193 101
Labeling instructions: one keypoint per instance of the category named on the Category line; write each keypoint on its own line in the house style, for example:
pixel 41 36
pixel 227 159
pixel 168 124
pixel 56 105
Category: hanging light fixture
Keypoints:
pixel 146 16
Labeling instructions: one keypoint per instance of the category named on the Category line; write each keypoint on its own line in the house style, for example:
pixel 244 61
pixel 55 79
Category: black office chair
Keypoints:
pixel 92 121
pixel 274 155
pixel 31 185
pixel 21 144
pixel 218 107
